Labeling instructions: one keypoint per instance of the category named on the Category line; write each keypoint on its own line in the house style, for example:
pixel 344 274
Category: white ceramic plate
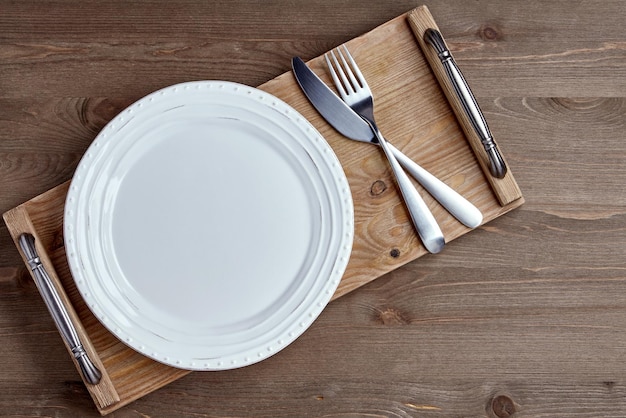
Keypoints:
pixel 208 225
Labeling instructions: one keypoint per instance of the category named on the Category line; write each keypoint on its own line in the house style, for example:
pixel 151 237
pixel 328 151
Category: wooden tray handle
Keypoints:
pixel 103 393
pixel 505 189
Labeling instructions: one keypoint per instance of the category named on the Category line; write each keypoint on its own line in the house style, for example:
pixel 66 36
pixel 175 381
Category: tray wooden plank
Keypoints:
pixel 413 113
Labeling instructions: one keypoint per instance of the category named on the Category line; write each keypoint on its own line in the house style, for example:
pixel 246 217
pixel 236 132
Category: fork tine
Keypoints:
pixel 351 69
pixel 348 86
pixel 338 84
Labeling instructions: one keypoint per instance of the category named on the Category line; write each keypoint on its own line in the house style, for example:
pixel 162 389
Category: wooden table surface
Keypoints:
pixel 524 317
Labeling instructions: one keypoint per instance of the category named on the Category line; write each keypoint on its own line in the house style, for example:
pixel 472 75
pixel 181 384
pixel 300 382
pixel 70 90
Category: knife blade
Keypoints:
pixel 347 122
pixel 336 112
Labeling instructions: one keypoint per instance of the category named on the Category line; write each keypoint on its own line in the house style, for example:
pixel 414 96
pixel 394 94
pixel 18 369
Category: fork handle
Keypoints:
pixel 461 208
pixel 423 219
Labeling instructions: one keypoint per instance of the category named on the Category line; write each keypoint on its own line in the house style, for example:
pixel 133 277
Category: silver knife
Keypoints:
pixel 60 315
pixel 348 123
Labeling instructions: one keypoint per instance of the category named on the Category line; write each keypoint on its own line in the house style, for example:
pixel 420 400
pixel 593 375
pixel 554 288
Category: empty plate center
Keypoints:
pixel 206 241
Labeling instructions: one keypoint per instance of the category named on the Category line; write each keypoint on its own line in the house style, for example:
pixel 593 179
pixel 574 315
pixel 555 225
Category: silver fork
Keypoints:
pixel 355 91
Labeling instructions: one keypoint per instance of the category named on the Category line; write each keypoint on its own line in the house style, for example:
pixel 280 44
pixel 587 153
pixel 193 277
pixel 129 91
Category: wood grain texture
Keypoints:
pixel 384 237
pixel 524 317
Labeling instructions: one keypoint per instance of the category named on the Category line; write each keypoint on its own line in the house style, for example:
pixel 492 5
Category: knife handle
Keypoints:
pixel 459 207
pixel 60 315
pixel 423 219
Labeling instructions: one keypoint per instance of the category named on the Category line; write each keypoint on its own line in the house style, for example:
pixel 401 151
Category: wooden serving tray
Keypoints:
pixel 413 111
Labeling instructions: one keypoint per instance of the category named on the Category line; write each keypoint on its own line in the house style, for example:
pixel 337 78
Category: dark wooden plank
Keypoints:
pixel 184 19
pixel 103 50
pixel 570 152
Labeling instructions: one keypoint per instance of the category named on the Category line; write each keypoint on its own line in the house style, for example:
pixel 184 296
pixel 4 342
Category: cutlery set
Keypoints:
pixel 353 116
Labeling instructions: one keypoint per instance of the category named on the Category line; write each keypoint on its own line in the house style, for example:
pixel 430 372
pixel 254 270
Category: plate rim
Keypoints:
pixel 339 180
